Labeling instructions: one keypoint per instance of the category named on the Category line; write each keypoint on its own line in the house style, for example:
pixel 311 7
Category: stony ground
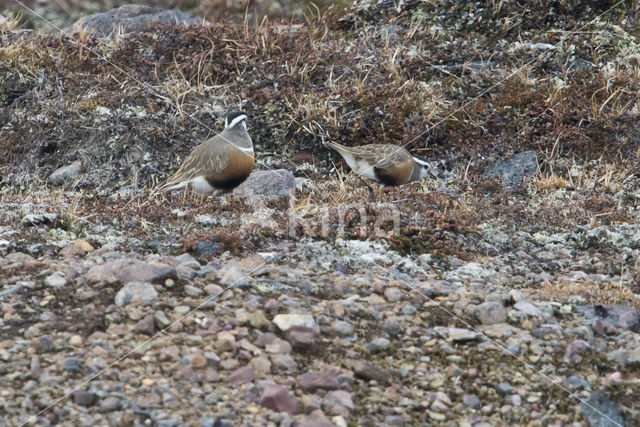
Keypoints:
pixel 281 313
pixel 497 293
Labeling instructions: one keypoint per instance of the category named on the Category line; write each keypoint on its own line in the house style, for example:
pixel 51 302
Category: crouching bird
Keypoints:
pixel 388 164
pixel 219 164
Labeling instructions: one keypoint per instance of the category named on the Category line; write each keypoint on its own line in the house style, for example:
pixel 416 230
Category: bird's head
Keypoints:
pixel 426 170
pixel 234 119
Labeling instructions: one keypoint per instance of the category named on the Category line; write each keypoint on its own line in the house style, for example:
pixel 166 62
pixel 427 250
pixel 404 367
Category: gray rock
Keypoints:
pixel 600 411
pixel 625 357
pixel 338 402
pixel 44 344
pixel 471 400
pixel 342 328
pixel 301 338
pixel 512 171
pixel 11 290
pixel 574 383
pixel 394 420
pixel 145 326
pixel 18 257
pixel 71 364
pixel 208 248
pixel 287 321
pixel 126 270
pixel 277 398
pixel 136 293
pixel 616 316
pixel 456 334
pixel 83 398
pixel 391 327
pixel 513 399
pixel 187 260
pixel 193 290
pixel 110 403
pixel 66 173
pixel 409 310
pixel 161 319
pixel 133 18
pixel 284 361
pixel 504 388
pixel 366 370
pixel 55 281
pixel 377 345
pixel 272 183
pixel 393 294
pixel 323 380
pixel 490 312
pixel 528 308
pixel 238 273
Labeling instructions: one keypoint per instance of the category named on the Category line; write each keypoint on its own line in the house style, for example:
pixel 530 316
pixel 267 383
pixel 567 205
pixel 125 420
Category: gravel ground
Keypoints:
pixel 523 325
pixel 504 291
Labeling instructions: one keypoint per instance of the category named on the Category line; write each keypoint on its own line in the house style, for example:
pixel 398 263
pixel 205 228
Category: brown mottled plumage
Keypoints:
pixel 387 164
pixel 219 164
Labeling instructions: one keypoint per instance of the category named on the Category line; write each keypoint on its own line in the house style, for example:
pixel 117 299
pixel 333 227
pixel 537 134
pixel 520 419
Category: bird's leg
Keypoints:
pixel 371 194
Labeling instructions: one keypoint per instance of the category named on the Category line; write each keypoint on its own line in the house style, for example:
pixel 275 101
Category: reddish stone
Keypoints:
pixel 277 398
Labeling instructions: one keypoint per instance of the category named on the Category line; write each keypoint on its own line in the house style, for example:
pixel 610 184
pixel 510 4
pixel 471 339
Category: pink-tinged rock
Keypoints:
pixel 242 375
pixel 325 380
pixel 278 346
pixel 301 338
pixel 343 398
pixel 124 270
pixel 271 306
pixel 277 398
pixel 367 371
pixel 574 349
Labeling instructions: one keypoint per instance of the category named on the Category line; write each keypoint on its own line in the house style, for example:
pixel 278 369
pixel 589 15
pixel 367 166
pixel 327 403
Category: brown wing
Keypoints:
pixel 207 159
pixel 382 156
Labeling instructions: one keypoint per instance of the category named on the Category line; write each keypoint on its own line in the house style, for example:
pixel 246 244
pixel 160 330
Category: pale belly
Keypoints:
pixel 201 186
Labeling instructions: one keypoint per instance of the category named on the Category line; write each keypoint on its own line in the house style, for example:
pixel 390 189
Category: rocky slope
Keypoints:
pixel 504 291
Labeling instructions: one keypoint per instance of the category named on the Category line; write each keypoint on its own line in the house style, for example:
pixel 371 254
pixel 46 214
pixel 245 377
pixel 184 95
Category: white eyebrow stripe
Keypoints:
pixel 422 162
pixel 237 120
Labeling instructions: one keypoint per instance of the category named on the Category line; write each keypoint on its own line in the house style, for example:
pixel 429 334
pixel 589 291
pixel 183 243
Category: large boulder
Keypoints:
pixel 132 18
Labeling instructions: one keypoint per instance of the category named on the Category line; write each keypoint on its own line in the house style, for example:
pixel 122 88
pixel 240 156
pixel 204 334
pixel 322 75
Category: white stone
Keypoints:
pixel 288 321
pixel 55 281
pixel 136 293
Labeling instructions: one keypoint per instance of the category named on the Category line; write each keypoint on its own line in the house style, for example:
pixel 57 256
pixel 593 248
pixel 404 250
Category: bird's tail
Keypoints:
pixel 170 186
pixel 334 145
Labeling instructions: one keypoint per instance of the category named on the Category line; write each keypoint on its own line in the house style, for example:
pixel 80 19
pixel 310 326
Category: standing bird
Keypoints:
pixel 388 164
pixel 219 164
